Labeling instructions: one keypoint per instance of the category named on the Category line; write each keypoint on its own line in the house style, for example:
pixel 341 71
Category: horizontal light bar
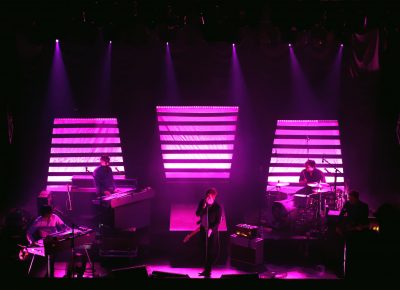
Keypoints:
pixel 80 140
pixel 201 156
pixel 194 128
pixel 307 132
pixel 191 138
pixel 295 179
pixel 273 169
pixel 68 178
pixel 197 165
pixel 200 175
pixel 85 121
pixel 303 160
pixel 305 151
pixel 85 131
pixel 311 141
pixel 196 119
pixel 197 147
pixel 94 150
pixel 314 123
pixel 83 159
pixel 81 168
pixel 196 109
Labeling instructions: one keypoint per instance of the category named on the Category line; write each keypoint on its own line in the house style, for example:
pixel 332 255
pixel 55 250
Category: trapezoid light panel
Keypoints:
pixel 76 147
pixel 197 142
pixel 295 142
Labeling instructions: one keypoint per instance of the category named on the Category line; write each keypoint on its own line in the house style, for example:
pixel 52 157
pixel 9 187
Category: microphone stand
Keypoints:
pixel 335 174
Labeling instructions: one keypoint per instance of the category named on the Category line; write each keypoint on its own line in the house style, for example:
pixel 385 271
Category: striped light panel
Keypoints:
pixel 76 147
pixel 295 142
pixel 197 142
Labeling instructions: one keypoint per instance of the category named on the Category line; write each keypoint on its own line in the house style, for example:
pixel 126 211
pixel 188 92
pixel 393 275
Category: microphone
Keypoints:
pixel 323 158
pixel 87 170
pixel 326 170
pixel 116 169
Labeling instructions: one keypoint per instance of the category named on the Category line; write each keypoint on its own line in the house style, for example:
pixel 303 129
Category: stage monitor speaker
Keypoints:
pixel 136 272
pixel 240 276
pixel 160 274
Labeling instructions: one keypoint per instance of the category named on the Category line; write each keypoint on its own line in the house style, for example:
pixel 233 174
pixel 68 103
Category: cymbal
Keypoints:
pixel 317 190
pixel 278 183
pixel 317 184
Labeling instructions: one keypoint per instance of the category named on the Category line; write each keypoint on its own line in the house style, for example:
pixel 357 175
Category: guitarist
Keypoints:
pixel 210 213
pixel 354 215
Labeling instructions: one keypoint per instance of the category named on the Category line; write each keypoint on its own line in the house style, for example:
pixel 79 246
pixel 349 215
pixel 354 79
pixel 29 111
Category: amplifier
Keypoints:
pixel 248 251
pixel 247 231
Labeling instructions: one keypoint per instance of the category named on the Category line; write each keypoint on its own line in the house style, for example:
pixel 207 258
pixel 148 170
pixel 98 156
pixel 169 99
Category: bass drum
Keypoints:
pixel 283 213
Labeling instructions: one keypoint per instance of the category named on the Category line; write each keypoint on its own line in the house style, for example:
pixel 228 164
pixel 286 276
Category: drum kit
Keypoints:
pixel 302 211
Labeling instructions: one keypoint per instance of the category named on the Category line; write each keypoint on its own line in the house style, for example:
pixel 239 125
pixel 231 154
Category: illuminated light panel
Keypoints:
pixel 76 169
pixel 197 147
pixel 200 137
pixel 197 165
pixel 304 141
pixel 190 175
pixel 292 138
pixel 83 140
pixel 305 151
pixel 85 131
pixel 197 138
pixel 75 150
pixel 182 119
pixel 297 169
pixel 216 128
pixel 307 132
pixel 77 154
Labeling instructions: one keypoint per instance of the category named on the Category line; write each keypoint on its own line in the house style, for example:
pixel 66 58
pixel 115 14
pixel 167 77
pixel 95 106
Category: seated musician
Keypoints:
pixel 308 175
pixel 47 223
pixel 354 214
pixel 103 177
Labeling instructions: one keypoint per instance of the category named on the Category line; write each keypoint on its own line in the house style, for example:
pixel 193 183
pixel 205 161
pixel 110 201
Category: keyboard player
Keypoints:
pixel 46 224
pixel 104 178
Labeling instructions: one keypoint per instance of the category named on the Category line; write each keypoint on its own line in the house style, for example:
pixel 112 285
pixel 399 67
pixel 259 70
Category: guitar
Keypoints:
pixel 191 234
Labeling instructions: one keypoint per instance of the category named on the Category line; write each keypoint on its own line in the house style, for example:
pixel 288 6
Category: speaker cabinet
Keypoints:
pixel 249 251
pixel 136 272
pixel 159 274
pixel 240 276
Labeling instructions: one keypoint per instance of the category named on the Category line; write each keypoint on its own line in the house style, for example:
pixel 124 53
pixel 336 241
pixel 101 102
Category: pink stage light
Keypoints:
pixel 194 128
pixel 83 140
pixel 197 139
pixel 283 169
pixel 204 175
pixel 68 158
pixel 74 150
pixel 197 165
pixel 197 119
pixel 197 156
pixel 307 132
pixel 197 147
pixel 85 131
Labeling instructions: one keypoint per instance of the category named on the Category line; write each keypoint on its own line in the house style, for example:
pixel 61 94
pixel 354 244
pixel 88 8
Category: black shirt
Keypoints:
pixel 104 179
pixel 355 214
pixel 314 176
pixel 214 214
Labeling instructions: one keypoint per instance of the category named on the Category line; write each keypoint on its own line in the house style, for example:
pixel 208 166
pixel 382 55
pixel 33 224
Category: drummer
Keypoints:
pixel 311 177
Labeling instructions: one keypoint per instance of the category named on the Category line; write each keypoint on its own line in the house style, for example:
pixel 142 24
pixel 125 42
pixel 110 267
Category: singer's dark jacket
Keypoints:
pixel 104 179
pixel 214 214
pixel 355 214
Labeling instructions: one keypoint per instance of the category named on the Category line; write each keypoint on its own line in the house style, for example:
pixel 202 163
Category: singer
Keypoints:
pixel 310 174
pixel 210 213
pixel 103 177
